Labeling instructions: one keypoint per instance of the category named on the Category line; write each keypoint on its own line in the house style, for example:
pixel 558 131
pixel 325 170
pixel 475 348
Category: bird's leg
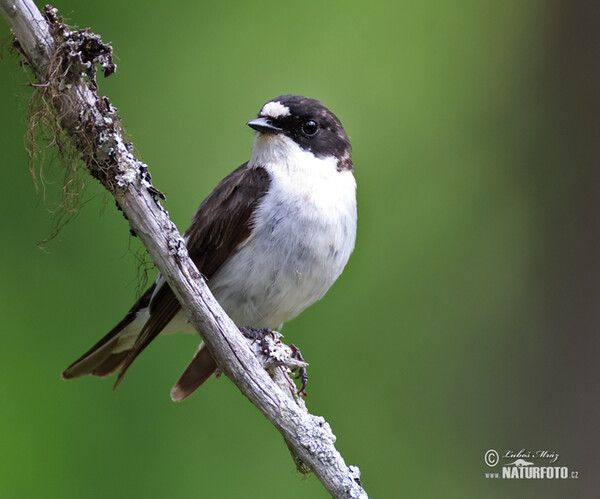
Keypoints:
pixel 302 372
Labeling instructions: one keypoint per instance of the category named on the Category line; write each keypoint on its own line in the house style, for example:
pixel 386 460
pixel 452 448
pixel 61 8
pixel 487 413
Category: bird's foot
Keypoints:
pixel 302 372
pixel 275 353
pixel 252 333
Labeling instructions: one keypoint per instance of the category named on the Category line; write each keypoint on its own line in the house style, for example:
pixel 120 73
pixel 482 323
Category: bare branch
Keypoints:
pixel 65 62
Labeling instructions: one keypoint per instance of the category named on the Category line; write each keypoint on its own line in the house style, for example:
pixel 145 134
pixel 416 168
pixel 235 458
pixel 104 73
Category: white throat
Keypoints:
pixel 277 149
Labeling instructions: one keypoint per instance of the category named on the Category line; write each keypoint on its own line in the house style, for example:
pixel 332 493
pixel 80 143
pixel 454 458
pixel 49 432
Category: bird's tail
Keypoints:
pixel 122 342
pixel 197 372
pixel 110 352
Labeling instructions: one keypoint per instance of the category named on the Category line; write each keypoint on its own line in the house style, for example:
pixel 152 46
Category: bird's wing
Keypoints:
pixel 220 225
pixel 100 359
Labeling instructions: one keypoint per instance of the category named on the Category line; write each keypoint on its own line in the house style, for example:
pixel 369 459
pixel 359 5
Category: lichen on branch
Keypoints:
pixel 66 113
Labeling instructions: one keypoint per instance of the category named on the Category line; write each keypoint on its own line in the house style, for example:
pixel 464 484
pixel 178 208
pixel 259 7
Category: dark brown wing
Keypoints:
pixel 220 225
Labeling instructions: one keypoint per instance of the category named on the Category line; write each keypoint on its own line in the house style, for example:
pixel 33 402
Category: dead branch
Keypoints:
pixel 64 62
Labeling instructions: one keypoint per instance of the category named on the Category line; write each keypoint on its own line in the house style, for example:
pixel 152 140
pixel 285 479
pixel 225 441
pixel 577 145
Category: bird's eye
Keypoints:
pixel 310 127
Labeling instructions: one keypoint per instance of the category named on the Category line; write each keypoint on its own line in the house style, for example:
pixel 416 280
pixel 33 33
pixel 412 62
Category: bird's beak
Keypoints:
pixel 263 125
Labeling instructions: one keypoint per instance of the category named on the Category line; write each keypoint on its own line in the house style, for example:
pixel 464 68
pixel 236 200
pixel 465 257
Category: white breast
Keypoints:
pixel 303 234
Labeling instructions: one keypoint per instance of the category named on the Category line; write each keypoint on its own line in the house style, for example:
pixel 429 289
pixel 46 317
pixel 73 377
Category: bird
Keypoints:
pixel 270 240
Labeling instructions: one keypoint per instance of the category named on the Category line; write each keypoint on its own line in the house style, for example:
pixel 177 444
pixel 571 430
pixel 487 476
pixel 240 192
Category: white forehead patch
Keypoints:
pixel 275 109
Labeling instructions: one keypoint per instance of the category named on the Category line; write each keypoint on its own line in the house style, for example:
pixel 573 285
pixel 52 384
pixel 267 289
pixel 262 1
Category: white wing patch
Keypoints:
pixel 275 109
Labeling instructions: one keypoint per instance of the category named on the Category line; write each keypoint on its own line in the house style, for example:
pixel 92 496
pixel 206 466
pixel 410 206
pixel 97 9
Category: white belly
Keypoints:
pixel 301 241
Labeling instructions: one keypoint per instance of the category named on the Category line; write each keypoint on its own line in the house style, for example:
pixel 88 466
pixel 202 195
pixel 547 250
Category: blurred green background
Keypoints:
pixel 466 320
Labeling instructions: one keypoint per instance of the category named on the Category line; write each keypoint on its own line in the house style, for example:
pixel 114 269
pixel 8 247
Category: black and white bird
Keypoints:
pixel 270 239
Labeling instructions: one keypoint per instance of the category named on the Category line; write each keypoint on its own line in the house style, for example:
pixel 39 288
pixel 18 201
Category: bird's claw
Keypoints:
pixel 270 346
